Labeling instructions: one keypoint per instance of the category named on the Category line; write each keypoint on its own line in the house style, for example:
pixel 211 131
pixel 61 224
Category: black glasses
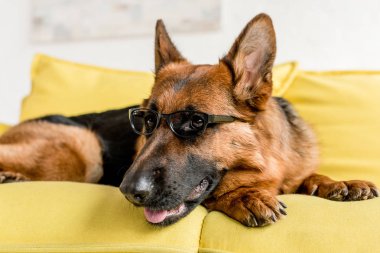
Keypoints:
pixel 185 124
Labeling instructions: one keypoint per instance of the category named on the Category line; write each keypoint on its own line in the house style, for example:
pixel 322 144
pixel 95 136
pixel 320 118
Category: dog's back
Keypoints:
pixel 95 147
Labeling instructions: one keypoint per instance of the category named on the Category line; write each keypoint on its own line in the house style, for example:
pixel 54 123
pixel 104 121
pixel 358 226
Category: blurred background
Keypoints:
pixel 320 35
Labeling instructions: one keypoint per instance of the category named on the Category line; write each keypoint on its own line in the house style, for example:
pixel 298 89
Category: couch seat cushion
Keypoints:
pixel 312 225
pixel 78 217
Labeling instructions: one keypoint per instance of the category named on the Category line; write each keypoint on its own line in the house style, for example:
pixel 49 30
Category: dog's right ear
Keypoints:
pixel 251 60
pixel 165 51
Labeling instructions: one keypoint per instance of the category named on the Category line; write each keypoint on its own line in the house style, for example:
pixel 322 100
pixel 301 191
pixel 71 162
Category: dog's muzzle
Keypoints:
pixel 171 192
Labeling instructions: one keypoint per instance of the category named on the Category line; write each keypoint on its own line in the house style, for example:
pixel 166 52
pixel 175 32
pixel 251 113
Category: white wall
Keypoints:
pixel 325 34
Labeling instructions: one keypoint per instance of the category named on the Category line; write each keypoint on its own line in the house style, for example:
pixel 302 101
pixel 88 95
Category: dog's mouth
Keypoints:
pixel 169 216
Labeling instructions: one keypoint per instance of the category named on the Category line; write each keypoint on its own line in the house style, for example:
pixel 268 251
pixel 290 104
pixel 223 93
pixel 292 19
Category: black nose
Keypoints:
pixel 137 191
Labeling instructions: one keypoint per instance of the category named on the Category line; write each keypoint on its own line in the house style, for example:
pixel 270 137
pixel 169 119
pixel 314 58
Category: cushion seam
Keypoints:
pixel 201 232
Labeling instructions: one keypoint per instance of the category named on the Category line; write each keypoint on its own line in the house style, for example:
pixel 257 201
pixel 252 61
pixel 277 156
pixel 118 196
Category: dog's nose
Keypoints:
pixel 137 191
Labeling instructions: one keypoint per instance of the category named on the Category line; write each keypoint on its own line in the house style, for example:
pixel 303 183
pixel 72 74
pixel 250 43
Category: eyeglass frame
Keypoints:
pixel 211 119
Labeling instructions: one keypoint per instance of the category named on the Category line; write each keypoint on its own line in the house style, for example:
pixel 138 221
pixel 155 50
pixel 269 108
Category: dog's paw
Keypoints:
pixel 360 190
pixel 261 209
pixel 252 208
pixel 10 177
pixel 346 190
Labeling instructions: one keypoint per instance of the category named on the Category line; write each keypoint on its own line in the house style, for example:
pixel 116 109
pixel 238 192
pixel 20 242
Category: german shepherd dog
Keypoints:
pixel 208 134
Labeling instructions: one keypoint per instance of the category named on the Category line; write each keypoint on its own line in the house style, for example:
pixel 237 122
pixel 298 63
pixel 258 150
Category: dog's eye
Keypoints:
pixel 197 122
pixel 150 122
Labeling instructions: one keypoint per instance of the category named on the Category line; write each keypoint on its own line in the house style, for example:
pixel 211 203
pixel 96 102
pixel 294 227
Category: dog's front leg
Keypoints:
pixel 251 202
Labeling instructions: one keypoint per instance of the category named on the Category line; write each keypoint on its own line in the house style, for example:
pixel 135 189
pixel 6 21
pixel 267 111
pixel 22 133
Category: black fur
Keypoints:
pixel 287 108
pixel 116 135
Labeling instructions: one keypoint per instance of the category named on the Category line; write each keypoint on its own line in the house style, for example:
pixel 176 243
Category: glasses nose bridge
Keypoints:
pixel 166 117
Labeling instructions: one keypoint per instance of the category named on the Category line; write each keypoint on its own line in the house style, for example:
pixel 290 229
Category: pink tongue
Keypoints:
pixel 155 216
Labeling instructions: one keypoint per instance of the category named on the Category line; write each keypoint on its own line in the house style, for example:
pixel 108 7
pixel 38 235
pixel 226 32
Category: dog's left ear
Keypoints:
pixel 252 56
pixel 165 50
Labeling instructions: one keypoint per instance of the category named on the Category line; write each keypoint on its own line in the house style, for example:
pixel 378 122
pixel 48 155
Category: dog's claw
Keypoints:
pixel 283 212
pixel 256 224
pixel 375 192
pixel 314 190
pixel 283 204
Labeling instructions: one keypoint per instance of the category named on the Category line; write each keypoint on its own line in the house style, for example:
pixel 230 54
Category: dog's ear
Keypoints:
pixel 165 51
pixel 251 59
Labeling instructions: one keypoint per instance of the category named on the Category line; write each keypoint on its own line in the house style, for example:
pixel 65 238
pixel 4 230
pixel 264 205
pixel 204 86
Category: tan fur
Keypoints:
pixel 45 151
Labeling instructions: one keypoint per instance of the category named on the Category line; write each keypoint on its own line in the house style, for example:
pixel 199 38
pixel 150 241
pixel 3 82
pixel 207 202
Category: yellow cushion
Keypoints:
pixel 63 87
pixel 3 128
pixel 78 217
pixel 69 88
pixel 344 110
pixel 312 225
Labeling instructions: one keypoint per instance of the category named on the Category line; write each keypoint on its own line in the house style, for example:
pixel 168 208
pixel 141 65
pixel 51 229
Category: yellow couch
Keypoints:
pixel 342 107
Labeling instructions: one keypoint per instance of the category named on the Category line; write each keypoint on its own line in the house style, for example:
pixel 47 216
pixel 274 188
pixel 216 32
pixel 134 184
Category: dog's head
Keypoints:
pixel 187 148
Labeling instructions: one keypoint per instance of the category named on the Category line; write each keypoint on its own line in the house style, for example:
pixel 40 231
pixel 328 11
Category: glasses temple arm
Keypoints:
pixel 220 118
